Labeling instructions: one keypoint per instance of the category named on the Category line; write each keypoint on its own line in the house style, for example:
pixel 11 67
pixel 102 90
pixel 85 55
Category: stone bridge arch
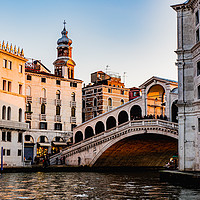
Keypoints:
pixel 167 144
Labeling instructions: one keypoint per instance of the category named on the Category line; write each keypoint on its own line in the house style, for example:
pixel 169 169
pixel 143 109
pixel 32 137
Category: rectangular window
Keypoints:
pixel 28 77
pixel 43 80
pixel 9 64
pixel 197 35
pixel 42 139
pixel 199 92
pixel 72 84
pixel 20 137
pixel 109 90
pixel 43 125
pixel 20 89
pixel 122 92
pixel 20 68
pixel 9 136
pixel 3 138
pixel 57 82
pixel 73 126
pixel 198 68
pixel 197 17
pixel 8 152
pixel 4 85
pixel 9 86
pixel 4 63
pixel 4 152
pixel 19 152
pixel 58 126
pixel 95 91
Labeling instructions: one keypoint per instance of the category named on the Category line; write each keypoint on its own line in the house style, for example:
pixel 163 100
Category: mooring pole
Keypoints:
pixel 1 159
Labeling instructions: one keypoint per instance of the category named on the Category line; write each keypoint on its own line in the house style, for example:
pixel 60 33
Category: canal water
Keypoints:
pixel 91 185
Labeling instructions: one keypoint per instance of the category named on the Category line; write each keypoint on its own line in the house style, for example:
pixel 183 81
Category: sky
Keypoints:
pixel 137 37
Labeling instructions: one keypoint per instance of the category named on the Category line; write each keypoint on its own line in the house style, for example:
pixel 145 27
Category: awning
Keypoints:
pixel 44 144
pixel 59 143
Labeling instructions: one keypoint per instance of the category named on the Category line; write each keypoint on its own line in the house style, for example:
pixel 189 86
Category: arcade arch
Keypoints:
pixel 110 122
pixel 89 132
pixel 78 136
pixel 136 112
pixel 156 101
pixel 122 117
pixel 99 127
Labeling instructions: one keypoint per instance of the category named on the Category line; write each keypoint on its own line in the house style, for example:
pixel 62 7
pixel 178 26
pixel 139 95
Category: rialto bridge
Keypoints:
pixel 134 134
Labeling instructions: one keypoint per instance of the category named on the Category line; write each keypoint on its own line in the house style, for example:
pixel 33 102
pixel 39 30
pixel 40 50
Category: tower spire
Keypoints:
pixel 64 23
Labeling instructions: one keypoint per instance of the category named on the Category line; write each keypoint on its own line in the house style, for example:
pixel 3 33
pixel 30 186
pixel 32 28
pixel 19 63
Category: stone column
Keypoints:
pixel 167 102
pixel 144 102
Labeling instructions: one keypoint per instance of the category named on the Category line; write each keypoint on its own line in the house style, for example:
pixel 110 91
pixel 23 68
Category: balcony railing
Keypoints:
pixel 72 103
pixel 109 108
pixel 13 125
pixel 42 117
pixel 28 116
pixel 57 118
pixel 58 102
pixel 43 100
pixel 29 99
pixel 94 108
pixel 73 120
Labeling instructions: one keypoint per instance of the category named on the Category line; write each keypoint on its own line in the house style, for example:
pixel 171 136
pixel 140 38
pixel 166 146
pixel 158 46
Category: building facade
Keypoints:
pixel 53 102
pixel 104 93
pixel 12 104
pixel 188 63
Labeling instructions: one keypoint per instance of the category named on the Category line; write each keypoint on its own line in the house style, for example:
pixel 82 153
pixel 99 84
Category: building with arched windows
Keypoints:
pixel 12 104
pixel 104 93
pixel 53 102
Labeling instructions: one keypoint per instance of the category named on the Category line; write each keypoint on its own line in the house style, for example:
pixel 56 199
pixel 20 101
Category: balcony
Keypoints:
pixel 72 119
pixel 43 100
pixel 57 118
pixel 29 99
pixel 28 115
pixel 58 102
pixel 8 124
pixel 109 108
pixel 94 108
pixel 42 117
pixel 72 103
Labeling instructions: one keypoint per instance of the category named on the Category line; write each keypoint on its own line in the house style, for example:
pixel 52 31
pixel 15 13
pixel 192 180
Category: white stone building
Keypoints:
pixel 12 104
pixel 188 63
pixel 53 102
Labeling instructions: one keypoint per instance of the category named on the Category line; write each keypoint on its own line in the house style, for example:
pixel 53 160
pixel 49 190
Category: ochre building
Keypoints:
pixel 104 93
pixel 12 104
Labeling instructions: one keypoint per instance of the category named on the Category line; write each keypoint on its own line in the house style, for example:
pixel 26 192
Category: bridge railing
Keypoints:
pixel 134 123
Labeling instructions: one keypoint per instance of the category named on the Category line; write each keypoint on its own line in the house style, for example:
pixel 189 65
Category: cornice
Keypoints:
pixel 13 55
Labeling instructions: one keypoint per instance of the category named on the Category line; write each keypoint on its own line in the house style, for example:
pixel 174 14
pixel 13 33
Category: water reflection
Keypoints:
pixel 63 185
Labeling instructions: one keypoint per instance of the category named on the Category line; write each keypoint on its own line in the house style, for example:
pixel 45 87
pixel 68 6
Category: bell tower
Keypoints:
pixel 64 65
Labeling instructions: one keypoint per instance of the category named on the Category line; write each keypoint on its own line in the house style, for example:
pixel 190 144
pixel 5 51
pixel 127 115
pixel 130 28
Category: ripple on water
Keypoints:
pixel 73 185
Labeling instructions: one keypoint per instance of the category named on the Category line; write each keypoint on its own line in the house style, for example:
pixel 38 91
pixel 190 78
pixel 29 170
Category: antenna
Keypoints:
pixel 107 66
pixel 124 77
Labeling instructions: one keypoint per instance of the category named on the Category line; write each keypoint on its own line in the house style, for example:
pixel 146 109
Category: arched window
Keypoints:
pixel 95 102
pixel 73 96
pixel 73 112
pixel 43 109
pixel 57 110
pixel 57 94
pixel 109 102
pixel 20 115
pixel 28 91
pixel 4 112
pixel 9 113
pixel 72 73
pixel 122 101
pixel 28 107
pixel 43 92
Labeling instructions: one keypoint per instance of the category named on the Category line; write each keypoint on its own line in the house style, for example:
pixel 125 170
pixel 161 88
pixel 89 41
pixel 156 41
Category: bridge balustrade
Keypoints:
pixel 116 132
